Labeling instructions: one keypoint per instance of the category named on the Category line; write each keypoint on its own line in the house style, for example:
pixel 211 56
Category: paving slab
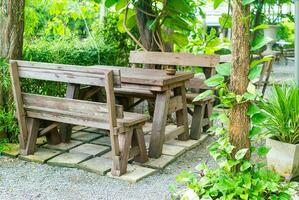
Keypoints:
pixel 63 146
pixel 13 150
pixel 98 165
pixel 96 130
pixel 78 128
pixel 189 144
pixel 91 149
pixel 68 159
pixel 159 163
pixel 173 150
pixel 85 136
pixel 134 173
pixel 42 155
pixel 102 141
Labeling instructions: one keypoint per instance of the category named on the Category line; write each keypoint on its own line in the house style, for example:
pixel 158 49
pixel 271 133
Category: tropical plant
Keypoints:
pixel 281 111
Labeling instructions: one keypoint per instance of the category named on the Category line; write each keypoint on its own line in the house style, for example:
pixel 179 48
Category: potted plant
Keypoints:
pixel 281 112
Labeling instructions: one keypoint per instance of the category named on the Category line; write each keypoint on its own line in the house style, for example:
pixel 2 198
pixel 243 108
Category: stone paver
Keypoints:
pixel 134 173
pixel 78 128
pixel 102 141
pixel 85 136
pixel 91 149
pixel 98 165
pixel 68 159
pixel 12 151
pixel 41 155
pixel 96 130
pixel 172 150
pixel 159 163
pixel 63 146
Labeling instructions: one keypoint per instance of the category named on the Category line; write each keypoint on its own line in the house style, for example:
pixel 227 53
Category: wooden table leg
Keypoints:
pixel 72 92
pixel 182 115
pixel 159 123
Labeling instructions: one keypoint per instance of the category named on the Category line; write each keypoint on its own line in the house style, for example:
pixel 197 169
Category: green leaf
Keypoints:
pixel 225 20
pixel 255 71
pixel 246 165
pixel 255 131
pixel 240 154
pixel 253 109
pixel 110 3
pixel 120 5
pixel 203 95
pixel 259 118
pixel 214 80
pixel 251 89
pixel 262 151
pixel 217 3
pixel 264 59
pixel 262 26
pixel 262 41
pixel 224 69
pixel 246 2
pixel 248 96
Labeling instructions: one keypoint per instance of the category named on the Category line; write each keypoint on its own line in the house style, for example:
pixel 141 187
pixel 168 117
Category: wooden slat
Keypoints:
pixel 175 104
pixel 66 73
pixel 77 106
pixel 166 58
pixel 16 90
pixel 172 134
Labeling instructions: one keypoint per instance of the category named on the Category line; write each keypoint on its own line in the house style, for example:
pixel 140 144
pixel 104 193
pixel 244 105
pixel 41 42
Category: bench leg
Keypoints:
pixel 124 149
pixel 182 115
pixel 138 141
pixel 65 130
pixel 208 113
pixel 197 121
pixel 32 127
pixel 159 123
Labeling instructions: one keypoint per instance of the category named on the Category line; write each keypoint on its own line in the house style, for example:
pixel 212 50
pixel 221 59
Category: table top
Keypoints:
pixel 150 77
pixel 153 77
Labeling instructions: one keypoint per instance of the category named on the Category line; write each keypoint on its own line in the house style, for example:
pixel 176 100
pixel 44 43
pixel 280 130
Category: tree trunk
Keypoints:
pixel 11 33
pixel 239 124
pixel 11 28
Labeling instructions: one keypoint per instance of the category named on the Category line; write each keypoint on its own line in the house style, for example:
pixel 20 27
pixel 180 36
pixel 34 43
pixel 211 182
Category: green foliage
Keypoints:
pixel 8 122
pixel 54 19
pixel 281 113
pixel 286 31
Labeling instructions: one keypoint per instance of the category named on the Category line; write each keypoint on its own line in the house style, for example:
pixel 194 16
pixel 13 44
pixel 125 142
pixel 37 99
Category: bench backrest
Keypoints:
pixel 207 62
pixel 71 111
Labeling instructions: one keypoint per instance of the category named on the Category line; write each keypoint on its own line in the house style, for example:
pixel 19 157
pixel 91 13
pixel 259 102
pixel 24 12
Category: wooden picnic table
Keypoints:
pixel 169 94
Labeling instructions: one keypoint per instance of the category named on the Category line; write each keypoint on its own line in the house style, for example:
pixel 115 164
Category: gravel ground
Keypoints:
pixel 24 180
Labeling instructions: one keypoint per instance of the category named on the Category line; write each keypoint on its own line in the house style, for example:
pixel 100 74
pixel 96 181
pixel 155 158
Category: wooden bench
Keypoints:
pixel 202 109
pixel 126 132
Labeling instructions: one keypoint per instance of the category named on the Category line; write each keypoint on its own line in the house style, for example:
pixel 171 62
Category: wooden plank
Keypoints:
pixel 182 115
pixel 138 140
pixel 167 58
pixel 66 73
pixel 48 128
pixel 33 126
pixel 115 145
pixel 124 146
pixel 172 134
pixel 175 104
pixel 197 121
pixel 73 105
pixel 159 123
pixel 20 112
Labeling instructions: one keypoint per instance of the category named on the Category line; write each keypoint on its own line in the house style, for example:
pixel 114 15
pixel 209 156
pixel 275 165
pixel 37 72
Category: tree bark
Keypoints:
pixel 239 123
pixel 11 33
pixel 11 28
